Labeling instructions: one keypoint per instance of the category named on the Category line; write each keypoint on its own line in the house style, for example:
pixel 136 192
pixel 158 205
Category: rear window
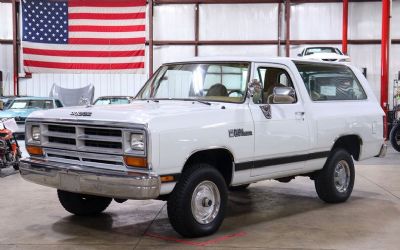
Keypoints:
pixel 326 82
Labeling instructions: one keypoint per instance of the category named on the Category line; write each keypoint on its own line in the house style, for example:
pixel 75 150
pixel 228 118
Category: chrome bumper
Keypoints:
pixel 382 152
pixel 89 180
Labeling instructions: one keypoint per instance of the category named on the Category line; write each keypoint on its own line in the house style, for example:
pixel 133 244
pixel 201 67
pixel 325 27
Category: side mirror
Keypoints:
pixel 299 55
pixel 284 95
pixel 254 90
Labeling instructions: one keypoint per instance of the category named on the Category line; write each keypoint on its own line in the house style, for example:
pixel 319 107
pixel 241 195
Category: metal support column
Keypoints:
pixel 151 40
pixel 345 25
pixel 15 46
pixel 287 20
pixel 385 60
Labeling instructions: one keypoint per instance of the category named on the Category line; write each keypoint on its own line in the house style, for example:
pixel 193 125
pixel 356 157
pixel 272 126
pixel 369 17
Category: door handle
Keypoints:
pixel 300 115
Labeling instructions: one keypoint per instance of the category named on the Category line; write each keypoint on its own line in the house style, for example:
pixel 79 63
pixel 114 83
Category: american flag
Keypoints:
pixel 80 36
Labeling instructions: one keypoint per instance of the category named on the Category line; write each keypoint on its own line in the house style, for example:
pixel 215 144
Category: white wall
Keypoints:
pixel 231 22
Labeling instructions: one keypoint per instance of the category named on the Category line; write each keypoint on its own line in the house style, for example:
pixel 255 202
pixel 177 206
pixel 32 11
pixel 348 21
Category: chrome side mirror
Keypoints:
pixel 254 91
pixel 284 95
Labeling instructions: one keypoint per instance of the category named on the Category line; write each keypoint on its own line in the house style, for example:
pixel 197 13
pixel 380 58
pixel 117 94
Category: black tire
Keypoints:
pixel 327 188
pixel 83 204
pixel 179 204
pixel 395 137
pixel 16 166
pixel 239 188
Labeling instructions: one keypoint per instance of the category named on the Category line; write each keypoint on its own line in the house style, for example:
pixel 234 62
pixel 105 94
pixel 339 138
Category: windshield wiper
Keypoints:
pixel 154 100
pixel 204 102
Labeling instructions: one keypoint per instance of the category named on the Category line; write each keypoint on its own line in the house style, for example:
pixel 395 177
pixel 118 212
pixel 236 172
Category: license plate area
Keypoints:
pixel 70 182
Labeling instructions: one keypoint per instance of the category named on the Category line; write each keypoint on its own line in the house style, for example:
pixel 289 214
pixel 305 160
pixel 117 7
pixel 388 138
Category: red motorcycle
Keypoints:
pixel 10 154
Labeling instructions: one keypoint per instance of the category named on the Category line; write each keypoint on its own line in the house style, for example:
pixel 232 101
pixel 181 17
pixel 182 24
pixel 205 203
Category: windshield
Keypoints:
pixel 30 104
pixel 110 101
pixel 221 82
pixel 315 50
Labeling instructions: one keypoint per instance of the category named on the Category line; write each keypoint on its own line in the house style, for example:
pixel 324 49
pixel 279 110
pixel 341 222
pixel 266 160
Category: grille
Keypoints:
pixel 61 129
pixel 102 161
pixel 84 138
pixel 63 157
pixel 103 144
pixel 103 132
pixel 329 60
pixel 61 140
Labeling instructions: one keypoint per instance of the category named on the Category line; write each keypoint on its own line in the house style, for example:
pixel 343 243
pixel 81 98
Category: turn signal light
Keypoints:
pixel 167 178
pixel 138 162
pixel 34 150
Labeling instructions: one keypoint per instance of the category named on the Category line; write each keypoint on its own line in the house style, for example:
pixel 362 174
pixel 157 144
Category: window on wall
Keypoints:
pixel 270 78
pixel 326 82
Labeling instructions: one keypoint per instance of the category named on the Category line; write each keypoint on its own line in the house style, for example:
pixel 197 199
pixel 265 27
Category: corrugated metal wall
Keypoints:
pixel 228 22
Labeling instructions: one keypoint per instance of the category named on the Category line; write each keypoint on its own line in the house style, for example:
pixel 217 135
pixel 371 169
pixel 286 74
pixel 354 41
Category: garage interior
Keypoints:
pixel 267 215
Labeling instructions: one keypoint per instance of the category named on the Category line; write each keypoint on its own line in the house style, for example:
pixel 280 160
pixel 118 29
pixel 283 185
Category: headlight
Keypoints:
pixel 137 142
pixel 345 60
pixel 35 133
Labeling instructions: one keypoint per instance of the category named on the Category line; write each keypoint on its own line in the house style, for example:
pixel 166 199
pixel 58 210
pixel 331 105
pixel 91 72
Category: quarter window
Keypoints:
pixel 330 82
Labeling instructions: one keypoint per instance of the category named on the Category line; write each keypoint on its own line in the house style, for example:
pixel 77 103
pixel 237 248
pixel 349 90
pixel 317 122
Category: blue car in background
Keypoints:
pixel 21 107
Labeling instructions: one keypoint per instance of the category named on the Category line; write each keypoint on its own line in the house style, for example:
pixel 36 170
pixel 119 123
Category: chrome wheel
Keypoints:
pixel 342 176
pixel 205 202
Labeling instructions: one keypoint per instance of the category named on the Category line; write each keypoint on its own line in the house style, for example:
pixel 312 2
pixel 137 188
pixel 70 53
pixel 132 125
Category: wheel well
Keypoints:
pixel 221 159
pixel 351 143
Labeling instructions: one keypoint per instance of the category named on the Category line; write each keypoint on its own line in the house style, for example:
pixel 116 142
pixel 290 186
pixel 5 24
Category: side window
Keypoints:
pixel 330 82
pixel 271 78
pixel 59 104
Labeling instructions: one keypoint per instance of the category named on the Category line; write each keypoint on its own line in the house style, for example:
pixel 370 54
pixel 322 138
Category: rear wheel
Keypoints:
pixel 197 205
pixel 83 204
pixel 395 136
pixel 334 183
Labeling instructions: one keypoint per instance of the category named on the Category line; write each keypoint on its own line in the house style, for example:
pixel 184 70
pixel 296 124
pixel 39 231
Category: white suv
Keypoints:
pixel 201 127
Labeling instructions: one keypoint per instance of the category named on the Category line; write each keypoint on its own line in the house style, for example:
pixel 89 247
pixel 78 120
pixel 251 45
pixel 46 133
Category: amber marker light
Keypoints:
pixel 34 150
pixel 133 161
pixel 167 178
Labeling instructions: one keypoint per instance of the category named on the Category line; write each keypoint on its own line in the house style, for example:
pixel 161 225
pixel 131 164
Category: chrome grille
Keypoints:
pixel 84 138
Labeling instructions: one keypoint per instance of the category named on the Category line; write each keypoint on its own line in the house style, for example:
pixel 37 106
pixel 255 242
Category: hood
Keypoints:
pixel 140 112
pixel 16 112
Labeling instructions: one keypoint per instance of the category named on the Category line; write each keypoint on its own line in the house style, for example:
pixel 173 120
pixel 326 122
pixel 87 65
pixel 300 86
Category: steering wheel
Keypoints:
pixel 235 91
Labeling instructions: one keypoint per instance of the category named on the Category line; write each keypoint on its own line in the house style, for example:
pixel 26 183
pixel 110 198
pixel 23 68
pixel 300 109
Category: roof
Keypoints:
pixel 116 96
pixel 236 59
pixel 35 98
pixel 281 60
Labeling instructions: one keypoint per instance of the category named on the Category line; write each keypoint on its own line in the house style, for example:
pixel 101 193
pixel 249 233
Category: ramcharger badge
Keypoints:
pixel 239 132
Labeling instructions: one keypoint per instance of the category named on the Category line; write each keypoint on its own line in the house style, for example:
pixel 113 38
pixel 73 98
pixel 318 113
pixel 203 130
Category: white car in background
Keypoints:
pixel 329 54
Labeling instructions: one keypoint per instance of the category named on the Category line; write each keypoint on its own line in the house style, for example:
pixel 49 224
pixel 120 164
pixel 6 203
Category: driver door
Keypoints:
pixel 281 139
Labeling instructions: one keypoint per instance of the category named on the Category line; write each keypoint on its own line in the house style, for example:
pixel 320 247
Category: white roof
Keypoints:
pixel 282 60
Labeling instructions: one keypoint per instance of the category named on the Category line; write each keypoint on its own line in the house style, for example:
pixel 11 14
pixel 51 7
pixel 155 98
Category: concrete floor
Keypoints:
pixel 270 215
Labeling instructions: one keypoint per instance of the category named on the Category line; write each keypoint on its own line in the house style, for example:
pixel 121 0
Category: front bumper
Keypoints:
pixel 89 180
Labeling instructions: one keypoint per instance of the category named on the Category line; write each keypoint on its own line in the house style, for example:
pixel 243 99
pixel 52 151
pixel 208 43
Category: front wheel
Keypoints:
pixel 334 183
pixel 83 204
pixel 395 136
pixel 197 204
